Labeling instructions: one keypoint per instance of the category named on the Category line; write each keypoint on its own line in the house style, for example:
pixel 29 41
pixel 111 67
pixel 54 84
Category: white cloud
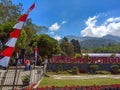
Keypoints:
pixel 110 26
pixel 110 20
pixel 63 22
pixel 52 33
pixel 54 27
pixel 57 37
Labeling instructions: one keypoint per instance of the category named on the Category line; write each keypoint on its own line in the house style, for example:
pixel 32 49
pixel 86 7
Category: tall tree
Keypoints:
pixel 21 43
pixel 47 46
pixel 67 47
pixel 9 14
pixel 77 48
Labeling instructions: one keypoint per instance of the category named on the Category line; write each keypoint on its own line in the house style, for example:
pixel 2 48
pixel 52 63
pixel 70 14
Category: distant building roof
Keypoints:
pixel 101 54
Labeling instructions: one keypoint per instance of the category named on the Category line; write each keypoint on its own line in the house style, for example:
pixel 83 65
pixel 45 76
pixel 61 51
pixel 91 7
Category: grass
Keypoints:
pixel 50 81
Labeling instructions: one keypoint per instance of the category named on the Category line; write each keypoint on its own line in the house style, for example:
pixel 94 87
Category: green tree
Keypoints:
pixel 77 48
pixel 4 31
pixel 9 12
pixel 21 43
pixel 77 55
pixel 47 46
pixel 66 47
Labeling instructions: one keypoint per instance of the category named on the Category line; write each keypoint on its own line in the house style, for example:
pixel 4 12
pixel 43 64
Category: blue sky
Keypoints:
pixel 94 18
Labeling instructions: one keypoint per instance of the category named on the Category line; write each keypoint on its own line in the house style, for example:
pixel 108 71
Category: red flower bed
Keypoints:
pixel 94 87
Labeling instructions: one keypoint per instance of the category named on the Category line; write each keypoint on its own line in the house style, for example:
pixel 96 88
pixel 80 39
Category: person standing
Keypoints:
pixel 27 64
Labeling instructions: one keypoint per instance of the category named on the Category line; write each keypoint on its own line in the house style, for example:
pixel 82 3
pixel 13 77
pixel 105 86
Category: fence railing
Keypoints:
pixel 35 76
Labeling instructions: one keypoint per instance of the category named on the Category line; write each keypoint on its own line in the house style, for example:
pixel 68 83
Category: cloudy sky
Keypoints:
pixel 94 18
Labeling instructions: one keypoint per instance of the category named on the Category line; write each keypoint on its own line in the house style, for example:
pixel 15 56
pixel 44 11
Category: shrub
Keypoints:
pixel 75 70
pixel 119 71
pixel 82 71
pixel 115 69
pixel 59 69
pixel 26 80
pixel 69 71
pixel 103 72
pixel 115 66
pixel 94 68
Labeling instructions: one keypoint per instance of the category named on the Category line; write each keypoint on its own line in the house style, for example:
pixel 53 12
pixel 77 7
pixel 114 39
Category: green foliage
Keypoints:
pixel 66 47
pixel 26 78
pixel 9 12
pixel 77 55
pixel 4 31
pixel 75 70
pixel 115 66
pixel 107 49
pixel 77 48
pixel 47 46
pixel 103 72
pixel 21 43
pixel 69 71
pixel 59 69
pixel 115 69
pixel 94 68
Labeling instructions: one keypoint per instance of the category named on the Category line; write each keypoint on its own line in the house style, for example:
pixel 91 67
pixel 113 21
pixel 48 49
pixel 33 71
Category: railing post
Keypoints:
pixel 15 74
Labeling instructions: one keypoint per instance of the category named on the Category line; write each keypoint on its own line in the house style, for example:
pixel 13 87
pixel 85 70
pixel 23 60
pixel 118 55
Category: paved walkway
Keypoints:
pixel 85 77
pixel 35 76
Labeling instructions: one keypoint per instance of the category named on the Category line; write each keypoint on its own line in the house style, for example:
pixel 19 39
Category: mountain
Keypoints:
pixel 70 37
pixel 93 42
pixel 115 38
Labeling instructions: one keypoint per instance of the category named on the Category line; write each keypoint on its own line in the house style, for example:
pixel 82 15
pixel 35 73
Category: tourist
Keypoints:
pixel 27 64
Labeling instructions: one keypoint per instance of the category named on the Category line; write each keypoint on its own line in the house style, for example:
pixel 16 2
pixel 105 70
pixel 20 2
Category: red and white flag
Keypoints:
pixel 18 25
pixel 7 53
pixel 11 42
pixel 31 8
pixel 15 33
pixel 23 18
pixel 4 61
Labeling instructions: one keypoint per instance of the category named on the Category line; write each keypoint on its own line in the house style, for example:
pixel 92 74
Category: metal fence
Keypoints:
pixel 7 77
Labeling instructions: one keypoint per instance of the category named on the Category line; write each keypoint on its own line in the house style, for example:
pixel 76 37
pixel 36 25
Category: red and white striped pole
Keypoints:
pixel 35 53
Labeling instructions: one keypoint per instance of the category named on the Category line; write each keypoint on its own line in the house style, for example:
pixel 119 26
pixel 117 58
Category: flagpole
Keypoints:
pixel 15 70
pixel 7 53
pixel 35 55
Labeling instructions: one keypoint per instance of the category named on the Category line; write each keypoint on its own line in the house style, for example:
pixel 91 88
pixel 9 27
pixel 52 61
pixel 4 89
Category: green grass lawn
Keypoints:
pixel 50 81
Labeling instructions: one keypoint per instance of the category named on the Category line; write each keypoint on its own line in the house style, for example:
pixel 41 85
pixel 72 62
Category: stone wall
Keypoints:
pixel 55 66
